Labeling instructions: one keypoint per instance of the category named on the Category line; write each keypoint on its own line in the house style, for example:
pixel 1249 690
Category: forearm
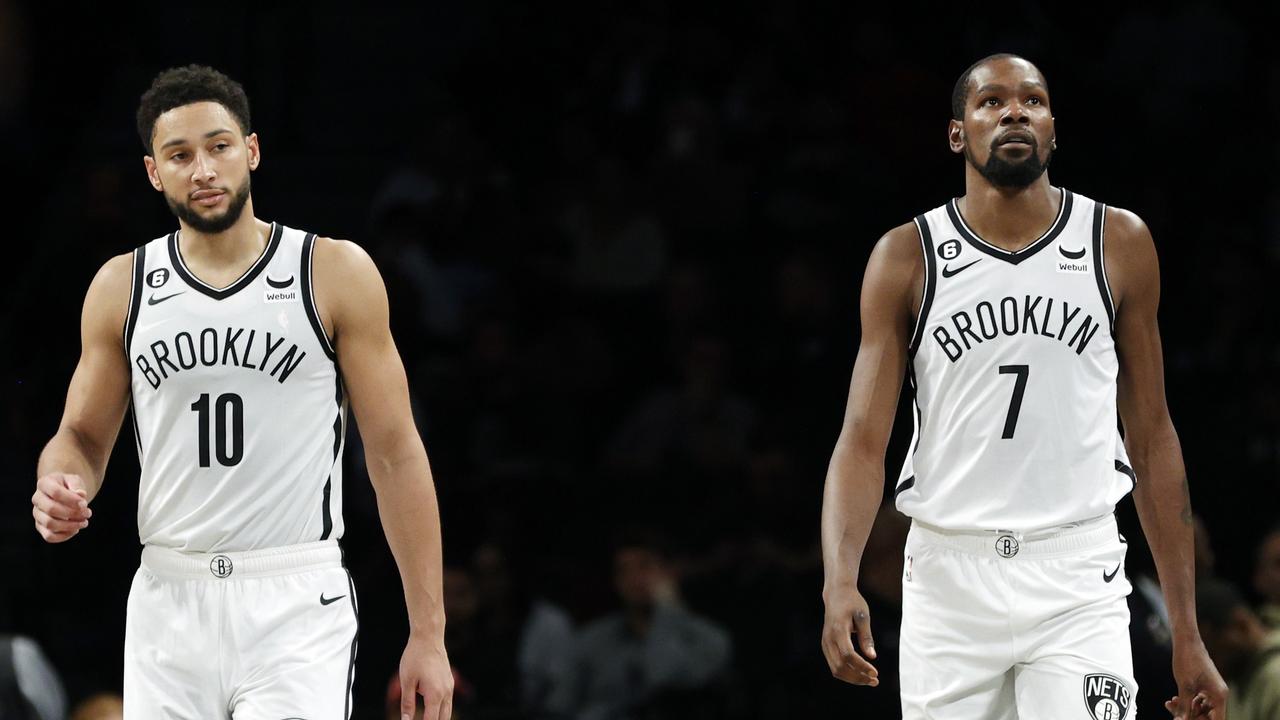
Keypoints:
pixel 71 453
pixel 1163 501
pixel 854 489
pixel 411 521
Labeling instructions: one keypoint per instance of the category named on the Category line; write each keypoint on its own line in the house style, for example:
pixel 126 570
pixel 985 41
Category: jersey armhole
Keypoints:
pixel 1100 265
pixel 309 296
pixel 135 297
pixel 926 299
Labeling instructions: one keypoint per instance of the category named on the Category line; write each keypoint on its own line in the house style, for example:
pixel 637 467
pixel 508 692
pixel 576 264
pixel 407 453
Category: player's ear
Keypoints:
pixel 153 173
pixel 955 136
pixel 255 153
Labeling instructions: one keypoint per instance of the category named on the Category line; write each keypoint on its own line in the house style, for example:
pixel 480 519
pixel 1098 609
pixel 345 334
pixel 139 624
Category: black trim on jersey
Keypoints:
pixel 137 434
pixel 930 281
pixel 326 514
pixel 1099 265
pixel 1014 256
pixel 309 299
pixel 1122 468
pixel 915 400
pixel 355 643
pixel 904 486
pixel 180 267
pixel 135 297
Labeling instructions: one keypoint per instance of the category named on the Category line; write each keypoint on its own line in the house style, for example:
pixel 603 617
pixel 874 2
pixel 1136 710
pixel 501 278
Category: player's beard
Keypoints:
pixel 217 223
pixel 1017 174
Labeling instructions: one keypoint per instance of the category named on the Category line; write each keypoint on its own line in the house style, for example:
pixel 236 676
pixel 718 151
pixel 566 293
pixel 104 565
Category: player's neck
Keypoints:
pixel 1006 218
pixel 238 244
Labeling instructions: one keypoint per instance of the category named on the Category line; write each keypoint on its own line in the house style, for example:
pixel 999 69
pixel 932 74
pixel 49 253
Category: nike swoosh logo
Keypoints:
pixel 153 300
pixel 1071 254
pixel 1109 576
pixel 329 601
pixel 280 284
pixel 948 272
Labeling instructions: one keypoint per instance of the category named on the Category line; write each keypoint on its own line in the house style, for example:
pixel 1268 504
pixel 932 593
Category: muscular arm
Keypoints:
pixel 350 289
pixel 353 306
pixel 72 465
pixel 1161 494
pixel 855 476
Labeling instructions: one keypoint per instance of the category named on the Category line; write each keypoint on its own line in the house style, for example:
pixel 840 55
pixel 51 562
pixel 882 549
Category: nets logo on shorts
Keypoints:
pixel 220 566
pixel 1007 546
pixel 1106 697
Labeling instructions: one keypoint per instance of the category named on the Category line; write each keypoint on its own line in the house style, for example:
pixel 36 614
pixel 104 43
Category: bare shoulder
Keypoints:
pixel 1130 257
pixel 348 286
pixel 1125 230
pixel 893 285
pixel 106 304
pixel 900 247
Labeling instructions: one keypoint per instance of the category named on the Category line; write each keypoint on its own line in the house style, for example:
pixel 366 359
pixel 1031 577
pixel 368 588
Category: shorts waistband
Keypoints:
pixel 248 564
pixel 1062 540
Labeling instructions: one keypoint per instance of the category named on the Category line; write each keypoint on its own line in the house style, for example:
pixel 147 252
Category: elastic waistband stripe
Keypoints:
pixel 1087 535
pixel 249 564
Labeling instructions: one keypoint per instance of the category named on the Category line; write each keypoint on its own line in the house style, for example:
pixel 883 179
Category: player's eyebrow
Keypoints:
pixel 182 141
pixel 996 87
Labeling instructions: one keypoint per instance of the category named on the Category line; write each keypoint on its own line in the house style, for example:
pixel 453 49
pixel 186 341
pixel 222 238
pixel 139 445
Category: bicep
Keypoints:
pixel 1140 386
pixel 882 350
pixel 99 391
pixel 370 364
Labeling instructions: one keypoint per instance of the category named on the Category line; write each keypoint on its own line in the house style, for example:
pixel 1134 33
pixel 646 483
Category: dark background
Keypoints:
pixel 593 217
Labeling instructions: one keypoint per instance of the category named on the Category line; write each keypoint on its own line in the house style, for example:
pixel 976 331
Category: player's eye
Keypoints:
pixel 221 146
pixel 178 156
pixel 991 101
pixel 1033 100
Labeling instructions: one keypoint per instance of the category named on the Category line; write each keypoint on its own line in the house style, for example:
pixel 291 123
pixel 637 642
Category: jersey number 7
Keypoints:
pixel 1015 403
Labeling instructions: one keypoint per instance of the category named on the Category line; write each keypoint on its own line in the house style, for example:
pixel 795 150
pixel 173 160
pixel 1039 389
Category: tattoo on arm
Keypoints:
pixel 1186 502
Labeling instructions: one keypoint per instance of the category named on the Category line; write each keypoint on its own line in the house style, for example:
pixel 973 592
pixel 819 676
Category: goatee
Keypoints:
pixel 218 223
pixel 1015 174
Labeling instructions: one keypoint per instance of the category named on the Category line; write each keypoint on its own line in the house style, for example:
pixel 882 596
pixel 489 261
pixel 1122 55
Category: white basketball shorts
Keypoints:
pixel 1002 625
pixel 259 635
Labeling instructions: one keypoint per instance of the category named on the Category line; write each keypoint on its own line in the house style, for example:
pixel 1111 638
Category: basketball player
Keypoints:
pixel 240 344
pixel 1025 316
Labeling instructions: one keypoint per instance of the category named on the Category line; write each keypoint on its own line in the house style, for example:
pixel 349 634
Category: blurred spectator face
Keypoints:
pixel 459 595
pixel 639 575
pixel 1266 574
pixel 1205 559
pixel 1233 645
pixel 492 581
pixel 100 707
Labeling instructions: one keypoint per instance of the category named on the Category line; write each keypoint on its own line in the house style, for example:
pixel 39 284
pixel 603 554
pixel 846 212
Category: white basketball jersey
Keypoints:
pixel 237 402
pixel 1013 366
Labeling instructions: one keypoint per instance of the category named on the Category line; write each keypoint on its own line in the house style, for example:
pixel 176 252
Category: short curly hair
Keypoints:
pixel 180 86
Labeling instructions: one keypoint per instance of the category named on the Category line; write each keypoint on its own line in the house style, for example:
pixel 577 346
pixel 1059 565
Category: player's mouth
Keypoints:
pixel 1016 140
pixel 207 198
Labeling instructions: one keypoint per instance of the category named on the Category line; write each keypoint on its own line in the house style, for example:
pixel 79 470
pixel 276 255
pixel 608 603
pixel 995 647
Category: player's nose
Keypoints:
pixel 1016 113
pixel 202 169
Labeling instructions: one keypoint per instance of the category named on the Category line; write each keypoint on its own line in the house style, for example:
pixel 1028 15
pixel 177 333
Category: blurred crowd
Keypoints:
pixel 623 248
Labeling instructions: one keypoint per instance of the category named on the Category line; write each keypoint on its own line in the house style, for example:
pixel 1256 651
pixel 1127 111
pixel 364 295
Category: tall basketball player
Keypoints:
pixel 1024 316
pixel 240 344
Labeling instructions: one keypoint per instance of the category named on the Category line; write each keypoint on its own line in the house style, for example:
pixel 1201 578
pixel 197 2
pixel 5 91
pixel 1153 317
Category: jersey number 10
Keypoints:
pixel 229 453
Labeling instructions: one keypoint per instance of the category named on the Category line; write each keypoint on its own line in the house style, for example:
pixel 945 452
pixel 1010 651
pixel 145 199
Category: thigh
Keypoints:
pixel 171 658
pixel 1082 672
pixel 295 639
pixel 955 651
